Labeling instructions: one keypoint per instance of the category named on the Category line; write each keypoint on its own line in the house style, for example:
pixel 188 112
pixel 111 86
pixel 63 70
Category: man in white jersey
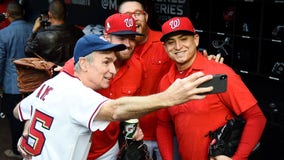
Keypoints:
pixel 63 112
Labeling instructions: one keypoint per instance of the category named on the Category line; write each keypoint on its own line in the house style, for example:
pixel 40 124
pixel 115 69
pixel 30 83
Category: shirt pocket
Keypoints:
pixel 128 90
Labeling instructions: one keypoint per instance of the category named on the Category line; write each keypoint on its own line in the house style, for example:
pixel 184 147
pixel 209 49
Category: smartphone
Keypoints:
pixel 219 83
pixel 44 19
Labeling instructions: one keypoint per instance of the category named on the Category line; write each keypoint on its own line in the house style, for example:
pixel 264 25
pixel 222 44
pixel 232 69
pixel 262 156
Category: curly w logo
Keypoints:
pixel 174 23
pixel 128 22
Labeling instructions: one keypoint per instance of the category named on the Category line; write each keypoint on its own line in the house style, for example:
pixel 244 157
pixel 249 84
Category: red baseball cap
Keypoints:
pixel 121 24
pixel 176 25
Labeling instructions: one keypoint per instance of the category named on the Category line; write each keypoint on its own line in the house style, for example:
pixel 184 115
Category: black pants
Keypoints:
pixel 16 126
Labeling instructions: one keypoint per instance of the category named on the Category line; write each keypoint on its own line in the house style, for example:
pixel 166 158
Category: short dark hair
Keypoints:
pixel 58 9
pixel 15 10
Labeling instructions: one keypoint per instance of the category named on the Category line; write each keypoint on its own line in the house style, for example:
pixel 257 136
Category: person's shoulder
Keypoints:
pixel 210 65
pixel 55 28
pixel 3 30
pixel 8 30
pixel 155 33
pixel 219 66
pixel 44 31
pixel 154 36
pixel 134 58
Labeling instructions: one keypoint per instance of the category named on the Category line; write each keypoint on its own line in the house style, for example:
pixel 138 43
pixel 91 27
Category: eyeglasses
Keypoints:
pixel 136 13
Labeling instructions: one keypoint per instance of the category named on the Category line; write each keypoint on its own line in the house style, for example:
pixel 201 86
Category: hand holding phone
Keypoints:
pixel 219 83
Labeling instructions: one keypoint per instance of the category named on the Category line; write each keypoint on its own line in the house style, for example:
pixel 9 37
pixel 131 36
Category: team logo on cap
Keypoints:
pixel 175 23
pixel 128 22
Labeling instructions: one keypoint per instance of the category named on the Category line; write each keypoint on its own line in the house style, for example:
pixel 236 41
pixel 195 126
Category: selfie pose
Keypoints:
pixel 64 111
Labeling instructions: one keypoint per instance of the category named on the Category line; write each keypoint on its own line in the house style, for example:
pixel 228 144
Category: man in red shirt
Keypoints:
pixel 119 29
pixel 155 61
pixel 193 120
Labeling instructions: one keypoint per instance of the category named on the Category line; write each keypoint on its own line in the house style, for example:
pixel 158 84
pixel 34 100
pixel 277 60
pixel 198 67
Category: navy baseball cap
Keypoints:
pixel 92 42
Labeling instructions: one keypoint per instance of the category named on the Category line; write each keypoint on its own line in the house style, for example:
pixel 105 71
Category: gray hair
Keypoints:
pixel 89 58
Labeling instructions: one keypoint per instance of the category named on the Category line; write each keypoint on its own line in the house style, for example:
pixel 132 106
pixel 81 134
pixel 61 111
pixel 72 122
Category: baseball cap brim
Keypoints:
pixel 166 36
pixel 111 47
pixel 127 33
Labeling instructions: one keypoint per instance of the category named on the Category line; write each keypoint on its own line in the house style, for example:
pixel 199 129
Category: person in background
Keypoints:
pixel 52 38
pixel 193 120
pixel 64 111
pixel 12 45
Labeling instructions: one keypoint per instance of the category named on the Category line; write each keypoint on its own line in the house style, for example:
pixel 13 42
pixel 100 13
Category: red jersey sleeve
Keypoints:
pixel 255 123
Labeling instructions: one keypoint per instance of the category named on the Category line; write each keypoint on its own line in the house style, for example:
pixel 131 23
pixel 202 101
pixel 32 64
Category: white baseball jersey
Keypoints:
pixel 62 112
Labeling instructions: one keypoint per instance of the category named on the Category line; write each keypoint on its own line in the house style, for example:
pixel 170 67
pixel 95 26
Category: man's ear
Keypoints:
pixel 196 39
pixel 83 64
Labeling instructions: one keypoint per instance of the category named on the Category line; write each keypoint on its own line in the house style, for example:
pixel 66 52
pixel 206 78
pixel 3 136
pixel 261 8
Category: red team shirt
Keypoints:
pixel 191 121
